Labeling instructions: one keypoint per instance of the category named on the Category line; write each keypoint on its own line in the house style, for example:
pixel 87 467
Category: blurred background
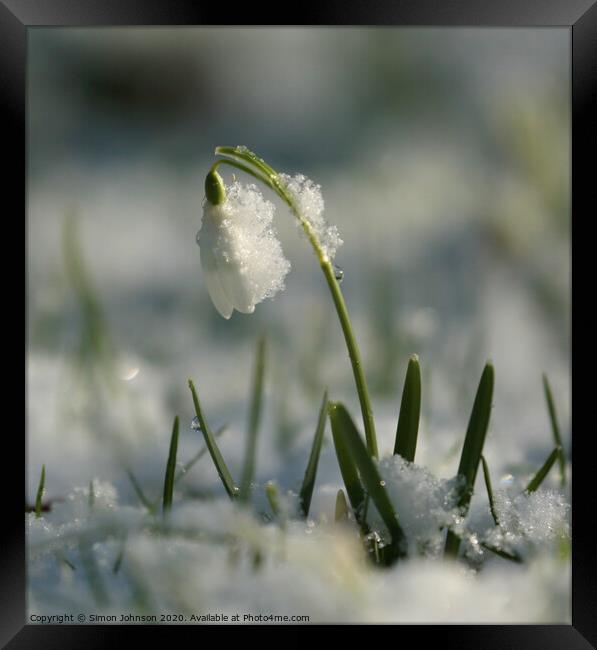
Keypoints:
pixel 444 160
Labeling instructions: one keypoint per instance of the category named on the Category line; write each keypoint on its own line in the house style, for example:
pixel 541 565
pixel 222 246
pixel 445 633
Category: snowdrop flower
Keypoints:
pixel 242 259
pixel 241 256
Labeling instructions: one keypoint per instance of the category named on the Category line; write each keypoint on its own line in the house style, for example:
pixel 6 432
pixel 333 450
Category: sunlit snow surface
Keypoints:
pixel 194 564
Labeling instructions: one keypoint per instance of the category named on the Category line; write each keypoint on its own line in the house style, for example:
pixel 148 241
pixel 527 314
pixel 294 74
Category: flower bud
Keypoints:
pixel 215 190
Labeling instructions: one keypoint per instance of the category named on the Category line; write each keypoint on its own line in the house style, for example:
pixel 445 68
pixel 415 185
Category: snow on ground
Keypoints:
pixel 193 565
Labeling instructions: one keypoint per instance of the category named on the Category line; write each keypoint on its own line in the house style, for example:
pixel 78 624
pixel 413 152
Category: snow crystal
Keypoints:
pixel 424 504
pixel 310 204
pixel 75 518
pixel 528 520
pixel 330 579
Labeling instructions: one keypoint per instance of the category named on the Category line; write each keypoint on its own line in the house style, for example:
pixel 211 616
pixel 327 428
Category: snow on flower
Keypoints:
pixel 309 199
pixel 241 256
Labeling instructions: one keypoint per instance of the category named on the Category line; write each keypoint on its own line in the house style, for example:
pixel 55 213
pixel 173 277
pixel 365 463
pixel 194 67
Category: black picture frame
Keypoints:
pixel 16 16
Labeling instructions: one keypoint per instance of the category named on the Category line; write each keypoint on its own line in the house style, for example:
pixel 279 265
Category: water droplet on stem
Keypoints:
pixel 338 273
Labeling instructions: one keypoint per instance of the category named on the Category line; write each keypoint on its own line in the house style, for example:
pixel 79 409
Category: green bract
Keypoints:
pixel 215 191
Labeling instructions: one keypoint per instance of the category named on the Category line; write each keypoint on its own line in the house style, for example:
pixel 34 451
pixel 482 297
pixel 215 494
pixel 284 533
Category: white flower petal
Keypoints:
pixel 212 280
pixel 242 258
pixel 236 285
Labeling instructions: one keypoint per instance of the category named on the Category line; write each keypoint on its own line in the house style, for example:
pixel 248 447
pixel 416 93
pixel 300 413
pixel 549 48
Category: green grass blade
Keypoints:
pixel 152 507
pixel 489 490
pixel 513 557
pixel 139 492
pixel 476 432
pixel 536 481
pixel 271 492
pixel 410 412
pixel 473 447
pixel 278 508
pixel 555 428
pixel 348 468
pixel 365 507
pixel 197 457
pixel 170 469
pixel 367 469
pixel 212 446
pixel 118 561
pixel 40 492
pixel 91 498
pixel 95 345
pixel 306 491
pixel 341 511
pixel 254 418
pixel 66 561
pixel 257 560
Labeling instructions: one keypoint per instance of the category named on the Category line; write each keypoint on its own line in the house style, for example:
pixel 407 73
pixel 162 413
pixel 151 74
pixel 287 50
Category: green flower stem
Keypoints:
pixel 271 178
pixel 355 357
pixel 243 168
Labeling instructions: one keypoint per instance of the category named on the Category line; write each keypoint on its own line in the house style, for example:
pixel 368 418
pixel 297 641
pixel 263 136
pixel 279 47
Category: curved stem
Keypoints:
pixel 248 156
pixel 271 179
pixel 243 168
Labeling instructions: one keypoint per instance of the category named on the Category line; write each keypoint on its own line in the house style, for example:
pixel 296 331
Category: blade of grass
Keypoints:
pixel 348 468
pixel 278 510
pixel 410 412
pixel 376 548
pixel 257 560
pixel 555 428
pixel 284 426
pixel 170 469
pixel 346 430
pixel 60 555
pixel 197 457
pixel 365 507
pixel 119 558
pixel 214 451
pixel 95 345
pixel 472 448
pixel 181 474
pixel 489 490
pixel 513 557
pixel 341 511
pixel 271 492
pixel 91 494
pixel 139 492
pixel 40 492
pixel 306 491
pixel 536 481
pixel 253 425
